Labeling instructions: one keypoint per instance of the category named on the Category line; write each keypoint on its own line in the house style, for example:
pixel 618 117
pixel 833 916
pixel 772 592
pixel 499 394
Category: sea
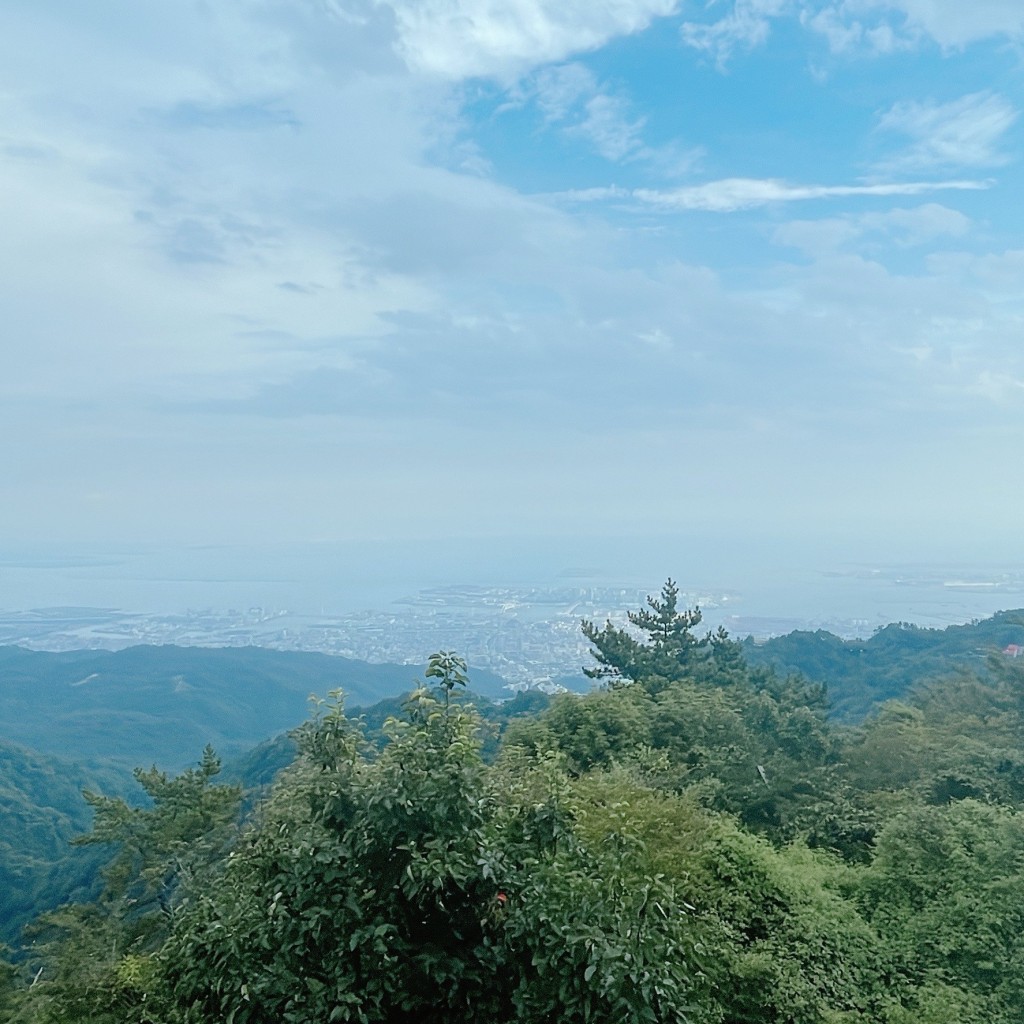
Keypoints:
pixel 755 587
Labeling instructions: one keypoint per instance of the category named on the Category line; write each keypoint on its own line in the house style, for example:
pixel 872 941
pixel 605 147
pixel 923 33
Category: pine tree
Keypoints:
pixel 667 650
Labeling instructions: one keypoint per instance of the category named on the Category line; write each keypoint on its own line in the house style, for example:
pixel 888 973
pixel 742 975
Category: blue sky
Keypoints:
pixel 330 270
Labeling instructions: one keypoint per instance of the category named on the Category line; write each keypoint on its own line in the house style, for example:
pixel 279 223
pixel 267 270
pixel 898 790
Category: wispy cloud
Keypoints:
pixel 860 30
pixel 902 227
pixel 745 27
pixel 729 195
pixel 607 125
pixel 963 133
pixel 865 26
pixel 467 38
pixel 956 23
pixel 559 90
pixel 571 99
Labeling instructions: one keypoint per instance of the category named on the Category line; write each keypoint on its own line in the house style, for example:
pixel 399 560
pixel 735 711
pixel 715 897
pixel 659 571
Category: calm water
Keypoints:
pixel 806 588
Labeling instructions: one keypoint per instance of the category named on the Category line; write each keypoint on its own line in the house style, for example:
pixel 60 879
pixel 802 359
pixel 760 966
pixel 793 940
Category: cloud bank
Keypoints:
pixel 502 38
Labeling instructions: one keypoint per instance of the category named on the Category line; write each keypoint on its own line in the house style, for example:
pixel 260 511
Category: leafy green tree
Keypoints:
pixel 894 662
pixel 449 670
pixel 954 738
pixel 777 939
pixel 8 986
pixel 946 889
pixel 158 847
pixel 592 731
pixel 421 885
pixel 41 811
pixel 94 960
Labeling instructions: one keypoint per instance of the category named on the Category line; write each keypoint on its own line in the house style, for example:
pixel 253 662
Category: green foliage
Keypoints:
pixel 960 737
pixel 590 731
pixel 862 674
pixel 668 648
pixel 186 822
pixel 41 810
pixel 109 710
pixel 947 887
pixel 756 745
pixel 419 885
pixel 798 950
pixel 693 842
pixel 352 896
pixel 8 988
pixel 94 960
pixel 449 670
pixel 774 936
pixel 495 717
pixel 162 704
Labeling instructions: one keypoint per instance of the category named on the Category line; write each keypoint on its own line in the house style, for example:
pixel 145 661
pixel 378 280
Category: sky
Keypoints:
pixel 745 275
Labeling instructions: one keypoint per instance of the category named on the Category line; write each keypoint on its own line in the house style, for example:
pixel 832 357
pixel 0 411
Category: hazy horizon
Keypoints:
pixel 340 579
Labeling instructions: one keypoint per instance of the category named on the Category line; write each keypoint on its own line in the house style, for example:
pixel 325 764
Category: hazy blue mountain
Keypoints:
pixel 162 705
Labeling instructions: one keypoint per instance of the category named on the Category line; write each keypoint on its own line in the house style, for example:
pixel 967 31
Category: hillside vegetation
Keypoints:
pixel 157 705
pixel 860 674
pixel 92 716
pixel 695 840
pixel 41 812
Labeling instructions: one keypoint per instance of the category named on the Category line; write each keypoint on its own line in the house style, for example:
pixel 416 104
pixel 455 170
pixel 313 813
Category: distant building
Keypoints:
pixel 1013 651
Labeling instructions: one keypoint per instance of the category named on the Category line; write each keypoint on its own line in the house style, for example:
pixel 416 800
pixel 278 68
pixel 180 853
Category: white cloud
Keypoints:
pixel 745 27
pixel 859 26
pixel 962 133
pixel 182 248
pixel 571 99
pixel 560 89
pixel 920 224
pixel 503 38
pixel 903 227
pixel 871 26
pixel 253 224
pixel 731 194
pixel 841 33
pixel 956 23
pixel 597 194
pixel 998 388
pixel 607 125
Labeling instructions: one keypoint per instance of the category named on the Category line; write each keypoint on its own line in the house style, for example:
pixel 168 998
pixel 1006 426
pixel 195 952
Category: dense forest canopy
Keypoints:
pixel 863 673
pixel 695 840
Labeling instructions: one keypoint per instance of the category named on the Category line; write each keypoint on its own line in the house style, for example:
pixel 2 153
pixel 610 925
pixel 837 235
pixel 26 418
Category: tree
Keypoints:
pixel 450 671
pixel 757 745
pixel 661 647
pixel 94 961
pixel 946 890
pixel 8 977
pixel 669 647
pixel 421 885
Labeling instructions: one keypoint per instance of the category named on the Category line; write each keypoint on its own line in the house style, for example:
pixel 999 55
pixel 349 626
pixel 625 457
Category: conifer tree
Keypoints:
pixel 668 647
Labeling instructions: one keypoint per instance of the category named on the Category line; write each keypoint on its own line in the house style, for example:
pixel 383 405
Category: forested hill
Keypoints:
pixel 692 842
pixel 861 674
pixel 41 812
pixel 159 705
